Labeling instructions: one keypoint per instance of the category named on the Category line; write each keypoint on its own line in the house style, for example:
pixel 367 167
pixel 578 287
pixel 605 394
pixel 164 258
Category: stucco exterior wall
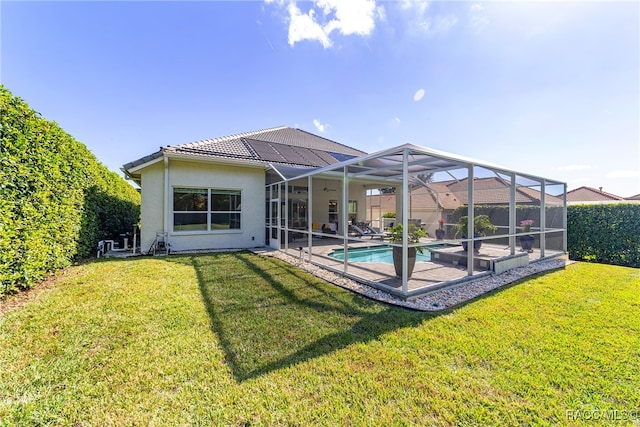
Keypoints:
pixel 320 213
pixel 152 205
pixel 203 175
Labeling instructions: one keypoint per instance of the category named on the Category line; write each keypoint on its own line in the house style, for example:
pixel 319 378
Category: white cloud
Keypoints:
pixel 477 17
pixel 623 174
pixel 382 13
pixel 353 17
pixel 574 167
pixel 437 25
pixel 419 7
pixel 321 127
pixel 418 95
pixel 304 27
pixel 476 7
pixel 419 22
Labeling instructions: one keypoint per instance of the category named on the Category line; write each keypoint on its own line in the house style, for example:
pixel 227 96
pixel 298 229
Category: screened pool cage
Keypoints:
pixel 341 217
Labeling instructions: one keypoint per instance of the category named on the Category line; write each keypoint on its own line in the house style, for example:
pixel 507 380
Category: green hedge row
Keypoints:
pixel 56 199
pixel 608 234
pixel 499 214
pixel 603 233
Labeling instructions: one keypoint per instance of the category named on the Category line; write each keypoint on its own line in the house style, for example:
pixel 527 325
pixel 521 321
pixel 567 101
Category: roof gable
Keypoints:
pixel 588 194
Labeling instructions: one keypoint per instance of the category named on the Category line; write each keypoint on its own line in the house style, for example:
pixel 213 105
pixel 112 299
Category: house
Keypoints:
pixel 435 200
pixel 211 193
pixel 591 195
pixel 299 193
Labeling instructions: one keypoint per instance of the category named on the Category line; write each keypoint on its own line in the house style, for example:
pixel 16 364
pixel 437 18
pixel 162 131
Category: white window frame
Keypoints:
pixel 208 211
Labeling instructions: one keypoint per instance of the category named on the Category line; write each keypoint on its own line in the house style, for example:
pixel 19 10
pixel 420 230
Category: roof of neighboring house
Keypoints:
pixel 488 191
pixel 588 194
pixel 280 145
pixel 453 194
pixel 636 197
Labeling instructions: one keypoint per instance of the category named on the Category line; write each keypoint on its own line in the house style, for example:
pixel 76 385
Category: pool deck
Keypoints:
pixel 427 276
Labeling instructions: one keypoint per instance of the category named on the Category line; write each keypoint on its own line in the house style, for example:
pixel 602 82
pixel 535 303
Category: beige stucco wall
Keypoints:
pixel 204 175
pixel 152 206
pixel 320 213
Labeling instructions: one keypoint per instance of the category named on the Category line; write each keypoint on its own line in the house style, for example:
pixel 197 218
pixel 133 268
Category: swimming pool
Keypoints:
pixel 379 254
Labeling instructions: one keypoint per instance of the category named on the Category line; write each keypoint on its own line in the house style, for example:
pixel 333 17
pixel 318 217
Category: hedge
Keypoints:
pixel 499 214
pixel 56 199
pixel 607 234
pixel 602 233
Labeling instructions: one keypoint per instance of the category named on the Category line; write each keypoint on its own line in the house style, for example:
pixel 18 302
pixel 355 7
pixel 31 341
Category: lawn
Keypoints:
pixel 238 339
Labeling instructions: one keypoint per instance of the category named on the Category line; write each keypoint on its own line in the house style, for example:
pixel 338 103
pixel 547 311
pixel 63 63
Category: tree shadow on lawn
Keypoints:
pixel 269 315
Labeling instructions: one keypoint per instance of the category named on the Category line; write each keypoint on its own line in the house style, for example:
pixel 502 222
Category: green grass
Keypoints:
pixel 240 339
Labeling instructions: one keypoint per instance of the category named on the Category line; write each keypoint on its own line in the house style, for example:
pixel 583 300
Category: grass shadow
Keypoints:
pixel 269 315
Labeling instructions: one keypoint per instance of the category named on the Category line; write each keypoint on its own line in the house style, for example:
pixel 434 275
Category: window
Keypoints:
pixel 206 209
pixel 333 211
pixel 353 211
pixel 225 209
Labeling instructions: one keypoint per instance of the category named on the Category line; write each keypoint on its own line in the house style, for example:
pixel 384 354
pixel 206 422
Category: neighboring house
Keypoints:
pixel 592 195
pixel 444 197
pixel 211 193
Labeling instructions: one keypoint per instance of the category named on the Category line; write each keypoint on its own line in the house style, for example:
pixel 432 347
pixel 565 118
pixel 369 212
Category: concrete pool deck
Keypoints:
pixel 428 276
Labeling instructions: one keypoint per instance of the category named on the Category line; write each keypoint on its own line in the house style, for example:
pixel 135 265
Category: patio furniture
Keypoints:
pixel 361 233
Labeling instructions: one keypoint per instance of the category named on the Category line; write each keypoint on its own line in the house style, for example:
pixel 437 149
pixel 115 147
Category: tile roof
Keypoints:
pixel 453 194
pixel 492 190
pixel 588 194
pixel 280 145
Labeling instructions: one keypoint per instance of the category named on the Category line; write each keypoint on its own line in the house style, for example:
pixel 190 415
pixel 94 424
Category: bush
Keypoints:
pixel 604 233
pixel 56 199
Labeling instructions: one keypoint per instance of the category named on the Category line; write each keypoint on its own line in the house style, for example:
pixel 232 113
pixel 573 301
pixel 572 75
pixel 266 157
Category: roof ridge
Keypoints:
pixel 598 191
pixel 232 136
pixel 330 140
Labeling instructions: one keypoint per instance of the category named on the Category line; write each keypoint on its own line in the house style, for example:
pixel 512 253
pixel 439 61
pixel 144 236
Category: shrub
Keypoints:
pixel 604 233
pixel 56 199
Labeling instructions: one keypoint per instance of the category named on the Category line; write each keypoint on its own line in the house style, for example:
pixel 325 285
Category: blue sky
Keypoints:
pixel 549 88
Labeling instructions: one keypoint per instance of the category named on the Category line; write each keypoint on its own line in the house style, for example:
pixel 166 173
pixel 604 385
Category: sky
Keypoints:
pixel 546 88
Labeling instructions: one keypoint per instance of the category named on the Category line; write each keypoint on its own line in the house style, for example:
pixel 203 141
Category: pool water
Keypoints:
pixel 378 254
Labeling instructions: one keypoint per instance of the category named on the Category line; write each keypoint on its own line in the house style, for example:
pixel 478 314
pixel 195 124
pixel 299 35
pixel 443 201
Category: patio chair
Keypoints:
pixel 331 228
pixel 362 233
